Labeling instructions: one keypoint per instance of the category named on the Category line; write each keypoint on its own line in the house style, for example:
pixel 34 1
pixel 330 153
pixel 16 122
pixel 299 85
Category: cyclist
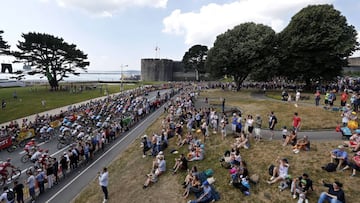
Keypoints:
pixel 36 155
pixel 30 147
pixel 4 168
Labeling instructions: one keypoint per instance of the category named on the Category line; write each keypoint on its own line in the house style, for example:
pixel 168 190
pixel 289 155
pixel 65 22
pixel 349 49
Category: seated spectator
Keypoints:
pixel 241 142
pixel 180 163
pixel 243 184
pixel 354 141
pixel 291 139
pixel 339 156
pixel 354 164
pixel 197 154
pixel 280 172
pixel 190 175
pixel 334 195
pixel 205 196
pixel 158 169
pixel 301 186
pixel 187 140
pixel 194 186
pixel 302 144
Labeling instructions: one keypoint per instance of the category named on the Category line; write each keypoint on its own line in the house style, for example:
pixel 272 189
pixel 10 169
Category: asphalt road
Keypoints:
pixel 52 144
pixel 78 179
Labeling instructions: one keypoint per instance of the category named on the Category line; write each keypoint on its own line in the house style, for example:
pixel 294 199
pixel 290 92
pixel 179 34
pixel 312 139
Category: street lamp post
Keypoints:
pixel 122 77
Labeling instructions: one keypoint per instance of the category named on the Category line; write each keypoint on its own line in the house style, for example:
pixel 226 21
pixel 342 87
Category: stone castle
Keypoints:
pixel 164 70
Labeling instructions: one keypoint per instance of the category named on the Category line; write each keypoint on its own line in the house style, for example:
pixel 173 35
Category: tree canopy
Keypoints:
pixel 4 47
pixel 50 56
pixel 241 51
pixel 194 59
pixel 316 43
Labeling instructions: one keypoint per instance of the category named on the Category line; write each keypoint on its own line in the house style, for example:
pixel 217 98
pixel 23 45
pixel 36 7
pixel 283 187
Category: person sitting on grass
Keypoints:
pixel 354 164
pixel 291 139
pixel 205 196
pixel 158 169
pixel 302 144
pixel 197 154
pixel 180 163
pixel 334 195
pixel 190 176
pixel 354 141
pixel 194 186
pixel 301 186
pixel 187 140
pixel 339 156
pixel 241 142
pixel 280 172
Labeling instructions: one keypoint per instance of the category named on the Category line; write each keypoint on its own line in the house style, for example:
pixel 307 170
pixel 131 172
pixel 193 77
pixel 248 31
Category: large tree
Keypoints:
pixel 316 43
pixel 4 47
pixel 50 56
pixel 194 59
pixel 241 51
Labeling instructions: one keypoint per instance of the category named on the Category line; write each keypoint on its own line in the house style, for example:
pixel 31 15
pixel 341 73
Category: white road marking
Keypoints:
pixel 105 153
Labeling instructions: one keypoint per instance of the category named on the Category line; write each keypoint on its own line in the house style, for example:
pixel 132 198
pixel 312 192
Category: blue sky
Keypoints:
pixel 121 32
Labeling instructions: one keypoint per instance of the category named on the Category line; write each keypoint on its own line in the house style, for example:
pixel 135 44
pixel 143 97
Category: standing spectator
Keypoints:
pixel 296 122
pixel 103 182
pixel 344 98
pixel 334 195
pixel 223 105
pixel 234 123
pixel 55 167
pixel 64 162
pixel 7 196
pixel 258 123
pixel 18 188
pixel 40 178
pixel 31 184
pixel 317 97
pixel 49 175
pixel 272 123
pixel 223 129
pixel 3 104
pixel 297 96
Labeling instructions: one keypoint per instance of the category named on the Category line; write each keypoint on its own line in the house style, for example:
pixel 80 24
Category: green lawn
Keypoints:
pixel 29 98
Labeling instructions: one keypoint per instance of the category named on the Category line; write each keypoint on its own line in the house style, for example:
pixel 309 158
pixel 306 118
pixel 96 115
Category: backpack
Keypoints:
pixel 275 119
pixel 271 169
pixel 10 195
pixel 330 167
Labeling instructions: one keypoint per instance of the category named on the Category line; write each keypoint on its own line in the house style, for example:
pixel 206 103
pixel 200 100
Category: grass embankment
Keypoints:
pixel 127 173
pixel 29 98
pixel 312 117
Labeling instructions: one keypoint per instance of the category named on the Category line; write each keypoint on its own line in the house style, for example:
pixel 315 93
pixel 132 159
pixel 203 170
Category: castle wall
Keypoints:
pixel 164 70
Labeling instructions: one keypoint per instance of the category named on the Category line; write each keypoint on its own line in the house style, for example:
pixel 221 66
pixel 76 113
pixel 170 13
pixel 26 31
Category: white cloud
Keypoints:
pixel 213 19
pixel 107 8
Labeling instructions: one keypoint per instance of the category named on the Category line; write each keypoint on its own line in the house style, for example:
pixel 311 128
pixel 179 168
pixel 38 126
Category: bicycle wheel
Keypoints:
pixel 22 143
pixel 25 158
pixel 11 148
pixel 16 174
pixel 2 181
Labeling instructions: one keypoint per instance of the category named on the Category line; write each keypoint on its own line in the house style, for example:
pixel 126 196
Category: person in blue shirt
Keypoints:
pixel 339 156
pixel 205 196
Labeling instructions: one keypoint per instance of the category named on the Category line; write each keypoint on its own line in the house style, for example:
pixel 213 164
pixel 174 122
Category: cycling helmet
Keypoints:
pixel 8 159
